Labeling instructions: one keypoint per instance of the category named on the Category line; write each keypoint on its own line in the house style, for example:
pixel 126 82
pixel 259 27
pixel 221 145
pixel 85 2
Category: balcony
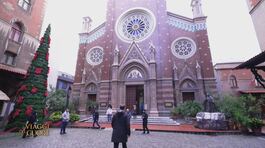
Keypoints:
pixel 13 46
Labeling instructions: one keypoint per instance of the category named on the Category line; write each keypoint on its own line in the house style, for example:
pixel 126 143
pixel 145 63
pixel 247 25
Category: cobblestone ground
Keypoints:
pixel 94 138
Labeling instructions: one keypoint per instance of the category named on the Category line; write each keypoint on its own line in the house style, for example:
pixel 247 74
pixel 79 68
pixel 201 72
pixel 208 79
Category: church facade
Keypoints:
pixel 144 57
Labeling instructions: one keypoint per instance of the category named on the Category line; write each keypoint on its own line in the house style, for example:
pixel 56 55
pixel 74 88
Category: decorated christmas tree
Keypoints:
pixel 33 91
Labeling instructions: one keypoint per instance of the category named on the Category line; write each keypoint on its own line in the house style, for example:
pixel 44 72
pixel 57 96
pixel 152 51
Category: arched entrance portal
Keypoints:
pixel 134 85
pixel 91 91
pixel 188 89
pixel 134 82
pixel 135 98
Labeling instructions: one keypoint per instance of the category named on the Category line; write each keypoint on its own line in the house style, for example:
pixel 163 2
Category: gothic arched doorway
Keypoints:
pixel 134 86
pixel 91 91
pixel 188 89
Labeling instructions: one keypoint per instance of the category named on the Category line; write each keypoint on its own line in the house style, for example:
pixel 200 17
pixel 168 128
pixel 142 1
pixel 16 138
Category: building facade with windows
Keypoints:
pixel 20 28
pixel 257 63
pixel 59 80
pixel 144 57
pixel 235 82
pixel 257 12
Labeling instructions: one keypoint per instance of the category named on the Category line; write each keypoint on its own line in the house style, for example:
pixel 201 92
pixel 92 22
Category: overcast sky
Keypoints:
pixel 231 32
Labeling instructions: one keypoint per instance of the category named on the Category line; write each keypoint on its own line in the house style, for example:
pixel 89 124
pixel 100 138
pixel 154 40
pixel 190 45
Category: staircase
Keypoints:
pixel 136 120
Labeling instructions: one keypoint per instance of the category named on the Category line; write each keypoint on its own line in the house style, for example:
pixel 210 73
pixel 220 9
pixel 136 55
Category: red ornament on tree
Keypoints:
pixel 35 56
pixel 22 88
pixel 47 56
pixel 49 40
pixel 45 83
pixel 34 90
pixel 42 40
pixel 45 112
pixel 16 113
pixel 46 94
pixel 20 100
pixel 38 71
pixel 28 110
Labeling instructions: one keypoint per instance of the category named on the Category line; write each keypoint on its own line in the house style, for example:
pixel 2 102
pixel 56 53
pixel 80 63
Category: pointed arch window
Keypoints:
pixel 233 81
pixel 25 4
pixel 16 32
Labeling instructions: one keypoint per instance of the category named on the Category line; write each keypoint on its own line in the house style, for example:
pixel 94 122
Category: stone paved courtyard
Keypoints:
pixel 94 138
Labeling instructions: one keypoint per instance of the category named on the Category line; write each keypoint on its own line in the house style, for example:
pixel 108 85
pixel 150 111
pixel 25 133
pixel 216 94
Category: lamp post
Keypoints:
pixel 68 93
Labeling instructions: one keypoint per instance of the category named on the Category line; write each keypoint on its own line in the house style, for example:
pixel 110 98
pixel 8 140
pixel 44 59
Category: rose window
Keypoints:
pixel 95 56
pixel 136 24
pixel 183 48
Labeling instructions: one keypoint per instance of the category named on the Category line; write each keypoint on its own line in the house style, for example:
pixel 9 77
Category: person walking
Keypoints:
pixel 31 121
pixel 129 113
pixel 145 120
pixel 65 120
pixel 95 118
pixel 109 113
pixel 121 128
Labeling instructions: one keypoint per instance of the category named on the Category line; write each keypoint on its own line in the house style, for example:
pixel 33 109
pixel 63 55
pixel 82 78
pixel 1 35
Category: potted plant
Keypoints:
pixel 55 118
pixel 176 113
pixel 256 126
pixel 74 117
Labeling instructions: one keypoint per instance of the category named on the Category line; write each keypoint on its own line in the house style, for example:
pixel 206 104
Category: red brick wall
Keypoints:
pixel 32 19
pixel 205 59
pixel 245 80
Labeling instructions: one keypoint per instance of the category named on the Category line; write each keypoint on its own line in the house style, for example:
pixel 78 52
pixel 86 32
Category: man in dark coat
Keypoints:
pixel 121 128
pixel 31 121
pixel 145 118
pixel 95 118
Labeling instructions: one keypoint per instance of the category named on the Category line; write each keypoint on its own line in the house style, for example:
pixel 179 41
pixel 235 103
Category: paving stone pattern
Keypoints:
pixel 95 138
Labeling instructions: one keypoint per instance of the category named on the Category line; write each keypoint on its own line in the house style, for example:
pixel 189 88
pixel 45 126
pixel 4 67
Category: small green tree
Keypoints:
pixel 73 105
pixel 230 106
pixel 244 110
pixel 56 100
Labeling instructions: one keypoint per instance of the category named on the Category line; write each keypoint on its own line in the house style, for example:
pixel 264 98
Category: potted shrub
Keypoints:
pixel 74 117
pixel 56 118
pixel 176 113
pixel 189 110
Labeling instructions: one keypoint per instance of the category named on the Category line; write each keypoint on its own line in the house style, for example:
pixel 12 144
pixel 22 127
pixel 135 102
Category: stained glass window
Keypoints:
pixel 95 56
pixel 183 48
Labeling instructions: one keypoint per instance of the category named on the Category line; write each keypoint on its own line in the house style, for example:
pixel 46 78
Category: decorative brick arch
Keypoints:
pixel 91 87
pixel 127 68
pixel 188 84
pixel 188 90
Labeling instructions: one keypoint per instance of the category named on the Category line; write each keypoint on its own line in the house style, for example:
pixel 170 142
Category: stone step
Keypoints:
pixel 137 120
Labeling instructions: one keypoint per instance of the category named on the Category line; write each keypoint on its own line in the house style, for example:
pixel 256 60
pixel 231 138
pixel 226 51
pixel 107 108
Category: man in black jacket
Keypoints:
pixel 145 118
pixel 121 128
pixel 30 128
pixel 95 118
